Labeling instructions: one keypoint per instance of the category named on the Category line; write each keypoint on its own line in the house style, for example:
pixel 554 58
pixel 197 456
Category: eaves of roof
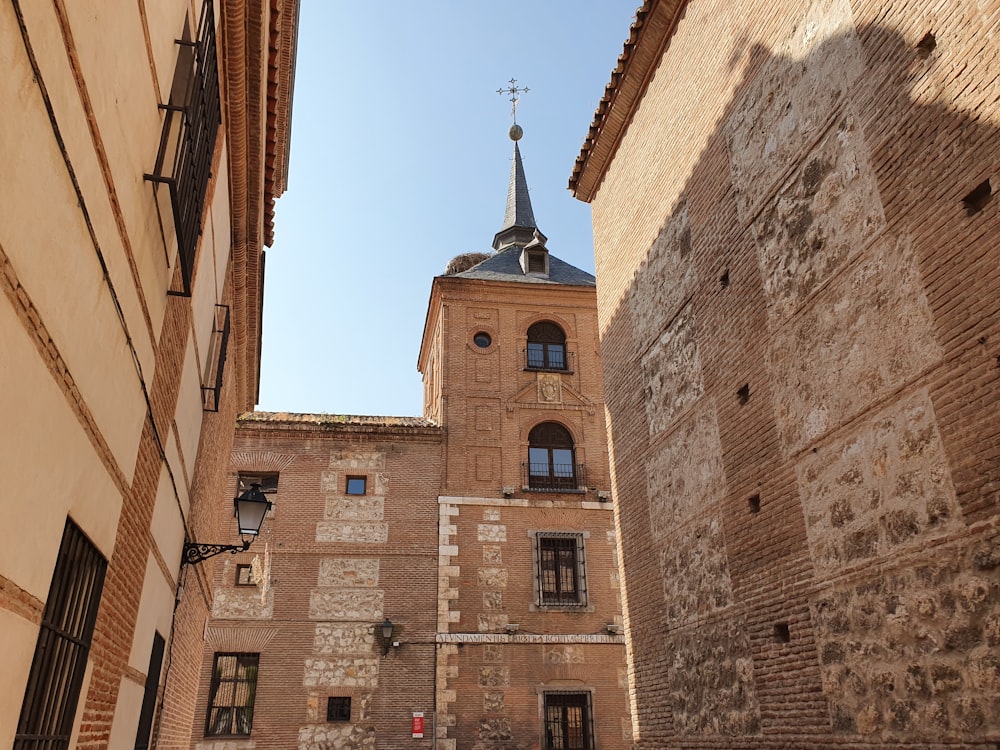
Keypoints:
pixel 649 35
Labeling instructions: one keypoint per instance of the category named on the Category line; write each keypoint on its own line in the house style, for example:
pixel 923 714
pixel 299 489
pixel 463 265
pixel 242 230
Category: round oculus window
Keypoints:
pixel 482 340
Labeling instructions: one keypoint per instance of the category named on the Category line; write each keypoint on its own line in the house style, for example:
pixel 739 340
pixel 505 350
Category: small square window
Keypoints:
pixel 560 569
pixel 244 575
pixel 357 485
pixel 268 482
pixel 338 708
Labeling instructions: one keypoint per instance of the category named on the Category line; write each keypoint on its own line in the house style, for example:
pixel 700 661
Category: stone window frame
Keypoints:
pixel 335 708
pixel 582 603
pixel 232 694
pixel 587 696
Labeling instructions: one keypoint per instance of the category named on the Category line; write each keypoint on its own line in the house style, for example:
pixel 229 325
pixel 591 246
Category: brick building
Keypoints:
pixel 798 272
pixel 484 531
pixel 143 147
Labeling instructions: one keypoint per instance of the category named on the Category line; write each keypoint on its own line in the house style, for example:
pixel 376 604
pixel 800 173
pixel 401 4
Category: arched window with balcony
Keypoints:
pixel 552 459
pixel 546 347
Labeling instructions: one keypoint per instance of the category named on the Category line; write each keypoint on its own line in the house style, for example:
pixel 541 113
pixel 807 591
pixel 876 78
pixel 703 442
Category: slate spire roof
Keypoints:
pixel 519 220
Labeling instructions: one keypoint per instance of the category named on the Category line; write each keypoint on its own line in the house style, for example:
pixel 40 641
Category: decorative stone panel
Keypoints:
pixel 340 736
pixel 492 532
pixel 354 532
pixel 364 605
pixel 695 572
pixel 826 214
pixel 493 578
pixel 834 359
pixel 915 654
pixel 242 604
pixel 711 682
pixel 671 372
pixel 494 677
pixel 492 554
pixel 493 653
pixel 355 508
pixel 885 487
pixel 226 745
pixel 549 388
pixel 493 702
pixel 492 600
pixel 491 514
pixel 567 654
pixel 357 460
pixel 788 105
pixel 685 472
pixel 329 481
pixel 343 638
pixel 654 303
pixel 494 733
pixel 490 622
pixel 348 572
pixel 343 672
pixel 381 483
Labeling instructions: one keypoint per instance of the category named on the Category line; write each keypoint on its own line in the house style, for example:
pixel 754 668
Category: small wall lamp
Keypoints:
pixel 387 630
pixel 250 509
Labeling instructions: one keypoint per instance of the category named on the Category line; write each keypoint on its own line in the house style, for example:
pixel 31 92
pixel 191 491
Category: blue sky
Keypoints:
pixel 400 160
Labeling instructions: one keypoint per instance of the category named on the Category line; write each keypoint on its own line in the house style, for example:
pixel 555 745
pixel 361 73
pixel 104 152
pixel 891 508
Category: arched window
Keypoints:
pixel 551 458
pixel 546 347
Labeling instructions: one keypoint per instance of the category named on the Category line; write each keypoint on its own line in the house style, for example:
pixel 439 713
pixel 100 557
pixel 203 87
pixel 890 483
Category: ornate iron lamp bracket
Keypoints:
pixel 196 553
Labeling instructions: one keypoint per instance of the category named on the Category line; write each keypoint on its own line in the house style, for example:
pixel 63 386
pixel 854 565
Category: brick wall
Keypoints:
pixel 799 333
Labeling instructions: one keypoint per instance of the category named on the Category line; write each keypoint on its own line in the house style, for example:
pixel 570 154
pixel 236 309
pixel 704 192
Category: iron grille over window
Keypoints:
pixel 187 142
pixel 551 465
pixel 546 347
pixel 60 659
pixel 216 360
pixel 338 708
pixel 234 689
pixel 561 571
pixel 568 724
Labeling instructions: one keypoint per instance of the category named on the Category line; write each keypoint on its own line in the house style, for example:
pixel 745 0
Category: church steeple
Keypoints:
pixel 519 228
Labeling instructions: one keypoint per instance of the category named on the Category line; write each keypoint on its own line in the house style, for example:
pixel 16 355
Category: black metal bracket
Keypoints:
pixel 195 553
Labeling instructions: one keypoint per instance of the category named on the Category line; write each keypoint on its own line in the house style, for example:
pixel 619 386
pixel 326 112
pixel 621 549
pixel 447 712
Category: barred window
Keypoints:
pixel 561 572
pixel 232 695
pixel 568 721
pixel 338 708
pixel 551 458
pixel 57 668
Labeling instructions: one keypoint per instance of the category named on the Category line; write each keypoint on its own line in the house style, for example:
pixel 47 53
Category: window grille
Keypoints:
pixel 57 669
pixel 187 141
pixel 151 691
pixel 560 569
pixel 568 721
pixel 338 708
pixel 232 696
pixel 546 349
pixel 217 359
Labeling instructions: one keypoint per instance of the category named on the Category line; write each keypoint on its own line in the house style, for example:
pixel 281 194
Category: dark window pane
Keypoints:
pixel 483 340
pixel 233 692
pixel 338 708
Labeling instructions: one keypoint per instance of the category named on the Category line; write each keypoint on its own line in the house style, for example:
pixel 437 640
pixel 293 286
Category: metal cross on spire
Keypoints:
pixel 515 92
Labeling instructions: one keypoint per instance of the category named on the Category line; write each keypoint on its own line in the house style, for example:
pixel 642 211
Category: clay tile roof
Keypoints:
pixel 654 24
pixel 283 417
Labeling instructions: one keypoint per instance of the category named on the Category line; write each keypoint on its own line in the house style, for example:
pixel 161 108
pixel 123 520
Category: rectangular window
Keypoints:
pixel 53 690
pixel 150 694
pixel 568 721
pixel 244 575
pixel 356 485
pixel 231 699
pixel 338 708
pixel 560 569
pixel 268 482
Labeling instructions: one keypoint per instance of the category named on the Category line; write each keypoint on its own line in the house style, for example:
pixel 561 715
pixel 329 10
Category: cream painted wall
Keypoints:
pixel 126 721
pixel 155 614
pixel 49 466
pixel 56 263
pixel 16 649
pixel 167 525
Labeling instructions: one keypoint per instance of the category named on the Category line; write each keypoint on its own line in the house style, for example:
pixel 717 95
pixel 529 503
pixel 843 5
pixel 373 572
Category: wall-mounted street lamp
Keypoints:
pixel 387 629
pixel 251 507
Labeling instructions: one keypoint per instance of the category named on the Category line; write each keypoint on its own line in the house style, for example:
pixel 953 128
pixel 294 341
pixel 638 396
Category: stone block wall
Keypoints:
pixel 797 288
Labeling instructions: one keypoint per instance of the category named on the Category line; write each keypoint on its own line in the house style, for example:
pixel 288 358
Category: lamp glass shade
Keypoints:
pixel 251 507
pixel 387 627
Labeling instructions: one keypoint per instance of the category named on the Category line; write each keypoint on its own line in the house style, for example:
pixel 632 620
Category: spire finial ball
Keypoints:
pixel 515 132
